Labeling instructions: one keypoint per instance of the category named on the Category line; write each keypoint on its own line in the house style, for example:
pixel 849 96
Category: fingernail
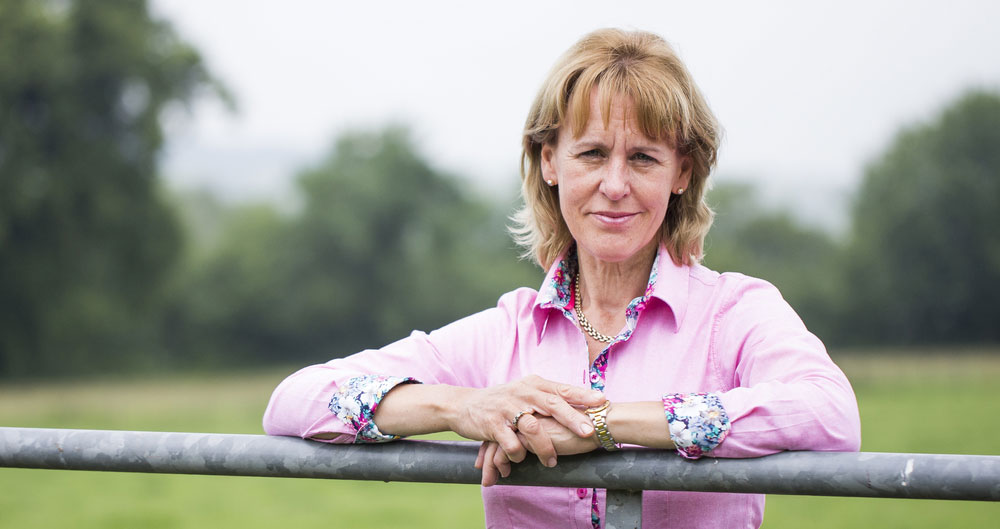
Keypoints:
pixel 586 429
pixel 551 463
pixel 597 394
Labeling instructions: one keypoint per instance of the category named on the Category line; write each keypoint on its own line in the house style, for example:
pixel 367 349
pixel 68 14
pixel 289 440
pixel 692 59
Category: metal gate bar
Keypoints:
pixel 864 474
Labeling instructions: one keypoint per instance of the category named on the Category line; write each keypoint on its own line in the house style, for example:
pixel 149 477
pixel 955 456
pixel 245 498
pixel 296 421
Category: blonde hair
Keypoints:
pixel 667 105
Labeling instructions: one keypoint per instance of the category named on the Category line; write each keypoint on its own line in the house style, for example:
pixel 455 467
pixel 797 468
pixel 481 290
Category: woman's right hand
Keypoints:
pixel 486 414
pixel 566 442
pixel 495 464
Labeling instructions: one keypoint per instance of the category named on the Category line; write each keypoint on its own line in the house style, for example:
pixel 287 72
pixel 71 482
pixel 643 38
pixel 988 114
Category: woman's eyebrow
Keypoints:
pixel 635 146
pixel 646 145
pixel 585 141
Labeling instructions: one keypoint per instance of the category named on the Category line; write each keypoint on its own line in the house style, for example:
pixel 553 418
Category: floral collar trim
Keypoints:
pixel 557 291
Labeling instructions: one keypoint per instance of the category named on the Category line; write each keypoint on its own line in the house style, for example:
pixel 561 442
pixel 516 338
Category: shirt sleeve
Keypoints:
pixel 697 422
pixel 335 401
pixel 786 393
pixel 356 401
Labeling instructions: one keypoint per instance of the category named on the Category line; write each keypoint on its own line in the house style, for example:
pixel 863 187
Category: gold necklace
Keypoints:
pixel 582 319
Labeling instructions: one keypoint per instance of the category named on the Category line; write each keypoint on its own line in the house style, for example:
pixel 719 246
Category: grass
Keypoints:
pixel 931 403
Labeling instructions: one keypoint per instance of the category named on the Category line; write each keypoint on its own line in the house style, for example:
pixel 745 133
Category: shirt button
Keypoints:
pixel 581 493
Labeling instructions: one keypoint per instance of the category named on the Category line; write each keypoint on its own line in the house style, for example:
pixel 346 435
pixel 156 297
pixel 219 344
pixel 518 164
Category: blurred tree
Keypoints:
pixel 924 259
pixel 229 302
pixel 384 244
pixel 802 262
pixel 85 236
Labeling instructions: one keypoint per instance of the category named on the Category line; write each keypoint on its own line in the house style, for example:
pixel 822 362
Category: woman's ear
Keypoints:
pixel 548 167
pixel 684 179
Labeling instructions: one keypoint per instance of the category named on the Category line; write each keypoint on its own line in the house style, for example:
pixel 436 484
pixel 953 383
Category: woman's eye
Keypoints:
pixel 643 157
pixel 592 153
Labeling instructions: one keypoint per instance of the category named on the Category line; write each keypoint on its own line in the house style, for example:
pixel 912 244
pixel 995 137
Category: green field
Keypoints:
pixel 930 403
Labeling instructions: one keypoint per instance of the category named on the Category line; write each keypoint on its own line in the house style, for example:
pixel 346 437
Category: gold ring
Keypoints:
pixel 513 422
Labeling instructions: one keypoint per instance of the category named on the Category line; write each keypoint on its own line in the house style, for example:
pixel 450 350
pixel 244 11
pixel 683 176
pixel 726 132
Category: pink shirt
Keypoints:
pixel 698 331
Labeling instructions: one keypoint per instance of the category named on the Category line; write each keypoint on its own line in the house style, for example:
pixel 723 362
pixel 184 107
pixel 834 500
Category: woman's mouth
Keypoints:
pixel 613 218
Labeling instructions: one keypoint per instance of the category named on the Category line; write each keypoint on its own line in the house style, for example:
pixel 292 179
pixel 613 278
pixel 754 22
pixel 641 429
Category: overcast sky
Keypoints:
pixel 806 91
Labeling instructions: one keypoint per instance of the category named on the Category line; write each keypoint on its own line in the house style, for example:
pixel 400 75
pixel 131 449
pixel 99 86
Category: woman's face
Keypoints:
pixel 614 183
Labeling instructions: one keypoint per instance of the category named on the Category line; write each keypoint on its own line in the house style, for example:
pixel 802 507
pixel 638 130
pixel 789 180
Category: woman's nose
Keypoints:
pixel 614 184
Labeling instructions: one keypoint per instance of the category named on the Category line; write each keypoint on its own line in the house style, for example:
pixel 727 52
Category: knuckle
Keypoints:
pixel 529 425
pixel 511 449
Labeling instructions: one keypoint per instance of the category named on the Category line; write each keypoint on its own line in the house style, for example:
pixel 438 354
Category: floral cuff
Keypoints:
pixel 697 421
pixel 357 400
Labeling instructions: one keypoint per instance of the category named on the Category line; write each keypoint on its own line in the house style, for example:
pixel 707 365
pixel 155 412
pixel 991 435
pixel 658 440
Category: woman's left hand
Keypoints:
pixel 494 461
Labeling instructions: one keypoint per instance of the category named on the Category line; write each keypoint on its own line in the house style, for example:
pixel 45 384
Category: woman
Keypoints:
pixel 628 341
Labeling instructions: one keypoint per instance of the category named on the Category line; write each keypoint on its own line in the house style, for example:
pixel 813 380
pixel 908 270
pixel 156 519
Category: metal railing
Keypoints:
pixel 625 473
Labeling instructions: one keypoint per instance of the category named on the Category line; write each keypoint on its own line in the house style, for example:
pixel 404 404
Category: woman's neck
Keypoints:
pixel 608 287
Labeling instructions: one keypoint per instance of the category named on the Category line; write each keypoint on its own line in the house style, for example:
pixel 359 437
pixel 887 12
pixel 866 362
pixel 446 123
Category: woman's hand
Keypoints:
pixel 494 462
pixel 485 414
pixel 565 441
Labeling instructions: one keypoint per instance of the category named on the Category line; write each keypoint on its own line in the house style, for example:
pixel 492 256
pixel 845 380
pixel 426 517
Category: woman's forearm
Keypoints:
pixel 414 409
pixel 639 423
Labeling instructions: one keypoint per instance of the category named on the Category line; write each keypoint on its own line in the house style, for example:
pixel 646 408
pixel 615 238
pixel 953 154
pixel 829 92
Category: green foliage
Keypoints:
pixel 922 265
pixel 85 237
pixel 229 301
pixel 801 262
pixel 100 269
pixel 924 258
pixel 384 244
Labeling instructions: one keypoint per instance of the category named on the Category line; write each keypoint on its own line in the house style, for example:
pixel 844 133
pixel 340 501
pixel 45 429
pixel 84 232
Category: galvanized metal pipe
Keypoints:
pixel 624 509
pixel 886 475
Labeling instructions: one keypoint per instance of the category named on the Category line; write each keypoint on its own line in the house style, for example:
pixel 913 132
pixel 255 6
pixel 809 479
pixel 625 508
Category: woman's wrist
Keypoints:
pixel 598 417
pixel 452 407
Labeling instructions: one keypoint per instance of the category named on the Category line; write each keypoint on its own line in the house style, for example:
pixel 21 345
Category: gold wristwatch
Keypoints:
pixel 599 416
